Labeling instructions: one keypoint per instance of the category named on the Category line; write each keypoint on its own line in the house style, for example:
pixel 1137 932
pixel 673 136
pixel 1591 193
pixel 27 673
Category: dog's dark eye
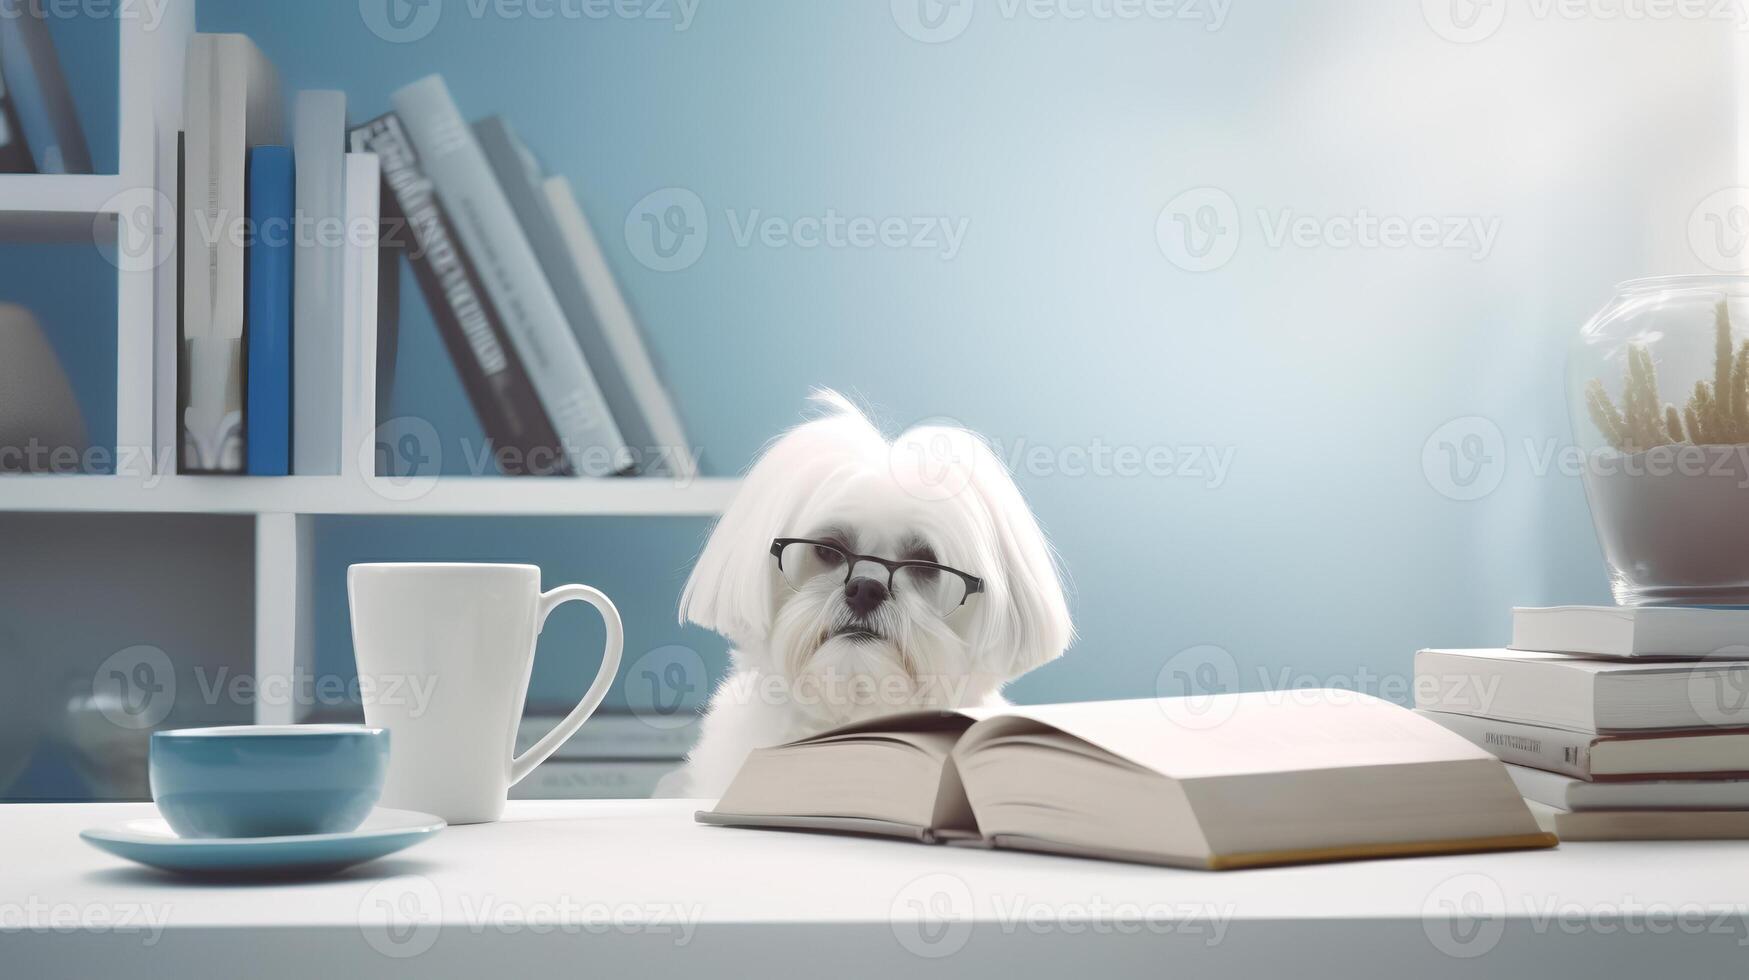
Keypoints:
pixel 829 557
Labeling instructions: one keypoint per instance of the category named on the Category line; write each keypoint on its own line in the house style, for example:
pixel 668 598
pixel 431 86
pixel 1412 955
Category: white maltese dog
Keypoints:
pixel 856 577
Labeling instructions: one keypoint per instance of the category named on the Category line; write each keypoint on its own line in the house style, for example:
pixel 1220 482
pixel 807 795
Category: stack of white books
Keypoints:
pixel 1616 723
pixel 614 756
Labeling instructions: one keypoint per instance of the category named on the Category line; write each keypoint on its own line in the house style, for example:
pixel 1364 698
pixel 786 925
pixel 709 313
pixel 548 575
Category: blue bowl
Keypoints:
pixel 268 780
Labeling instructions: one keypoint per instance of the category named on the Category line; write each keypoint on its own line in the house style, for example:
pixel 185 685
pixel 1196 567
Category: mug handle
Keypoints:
pixel 537 753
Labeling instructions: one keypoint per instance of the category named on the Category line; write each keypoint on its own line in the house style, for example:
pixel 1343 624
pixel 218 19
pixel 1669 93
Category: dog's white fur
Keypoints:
pixel 791 673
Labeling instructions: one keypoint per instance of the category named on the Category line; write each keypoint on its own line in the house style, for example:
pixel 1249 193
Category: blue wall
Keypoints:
pixel 1322 371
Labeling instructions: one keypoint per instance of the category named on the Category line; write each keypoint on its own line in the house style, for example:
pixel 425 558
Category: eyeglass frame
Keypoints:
pixel 974 584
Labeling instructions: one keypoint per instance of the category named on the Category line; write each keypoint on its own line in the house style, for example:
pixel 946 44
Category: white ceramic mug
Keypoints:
pixel 444 654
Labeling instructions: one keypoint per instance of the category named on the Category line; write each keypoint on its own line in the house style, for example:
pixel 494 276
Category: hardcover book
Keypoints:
pixel 1591 825
pixel 1649 632
pixel 1581 694
pixel 319 142
pixel 621 329
pixel 487 228
pixel 358 322
pixel 563 779
pixel 520 177
pixel 1615 757
pixel 1567 793
pixel 230 103
pixel 15 155
pixel 268 340
pixel 615 736
pixel 1242 780
pixel 492 374
pixel 38 88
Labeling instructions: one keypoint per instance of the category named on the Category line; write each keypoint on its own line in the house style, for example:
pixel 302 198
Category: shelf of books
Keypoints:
pixel 258 236
pixel 251 369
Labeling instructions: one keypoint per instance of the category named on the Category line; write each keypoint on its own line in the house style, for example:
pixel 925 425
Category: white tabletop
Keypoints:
pixel 637 886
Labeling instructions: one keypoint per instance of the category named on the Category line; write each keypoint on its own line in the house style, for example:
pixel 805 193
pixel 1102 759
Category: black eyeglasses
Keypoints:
pixel 802 560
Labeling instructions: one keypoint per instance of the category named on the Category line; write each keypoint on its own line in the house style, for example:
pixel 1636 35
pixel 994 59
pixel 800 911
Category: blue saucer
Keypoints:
pixel 152 842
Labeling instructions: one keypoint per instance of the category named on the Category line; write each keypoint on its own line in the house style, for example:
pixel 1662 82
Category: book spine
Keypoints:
pixel 39 88
pixel 520 178
pixel 203 191
pixel 15 155
pixel 1548 749
pixel 553 780
pixel 499 387
pixel 268 331
pixel 487 229
pixel 319 143
pixel 230 103
pixel 621 329
pixel 358 296
pixel 613 737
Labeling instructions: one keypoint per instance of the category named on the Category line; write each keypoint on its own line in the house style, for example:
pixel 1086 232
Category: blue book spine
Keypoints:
pixel 268 409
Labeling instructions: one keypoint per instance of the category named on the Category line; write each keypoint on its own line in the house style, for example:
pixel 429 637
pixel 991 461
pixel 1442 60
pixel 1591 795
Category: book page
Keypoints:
pixel 1232 734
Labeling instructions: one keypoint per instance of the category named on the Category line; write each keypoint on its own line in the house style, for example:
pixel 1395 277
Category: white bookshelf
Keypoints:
pixel 100 207
pixel 318 495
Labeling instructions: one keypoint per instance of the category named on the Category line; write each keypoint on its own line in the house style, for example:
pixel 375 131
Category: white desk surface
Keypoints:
pixel 636 886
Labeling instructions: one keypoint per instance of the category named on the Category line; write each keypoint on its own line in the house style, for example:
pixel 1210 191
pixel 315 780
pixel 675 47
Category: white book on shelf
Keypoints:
pixel 1633 632
pixel 319 145
pixel 571 780
pixel 621 329
pixel 617 735
pixel 358 298
pixel 230 103
pixel 487 228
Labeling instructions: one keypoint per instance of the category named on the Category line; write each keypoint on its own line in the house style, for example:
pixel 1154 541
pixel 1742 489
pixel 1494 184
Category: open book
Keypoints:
pixel 1226 781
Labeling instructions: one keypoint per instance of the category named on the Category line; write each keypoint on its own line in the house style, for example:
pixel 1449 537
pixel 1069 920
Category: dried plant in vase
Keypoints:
pixel 1716 414
pixel 1668 482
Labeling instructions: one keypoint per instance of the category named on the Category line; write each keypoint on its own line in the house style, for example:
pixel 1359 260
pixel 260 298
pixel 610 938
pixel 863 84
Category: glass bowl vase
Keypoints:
pixel 1659 387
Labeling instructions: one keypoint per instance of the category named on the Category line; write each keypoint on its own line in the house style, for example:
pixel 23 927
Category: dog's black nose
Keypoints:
pixel 864 595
